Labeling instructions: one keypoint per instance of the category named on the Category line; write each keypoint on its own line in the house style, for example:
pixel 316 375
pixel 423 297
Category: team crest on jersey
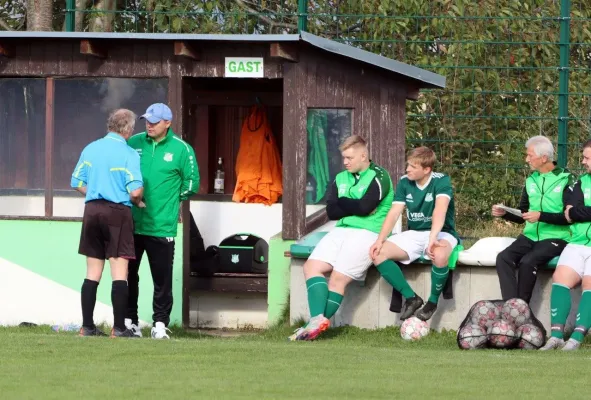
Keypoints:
pixel 168 157
pixel 587 193
pixel 532 188
pixel 558 189
pixel 429 197
pixel 342 189
pixel 235 258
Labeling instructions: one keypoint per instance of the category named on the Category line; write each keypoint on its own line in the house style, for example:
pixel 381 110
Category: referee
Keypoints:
pixel 108 175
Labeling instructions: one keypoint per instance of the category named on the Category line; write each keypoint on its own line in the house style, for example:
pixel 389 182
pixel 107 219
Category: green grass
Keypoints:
pixel 345 363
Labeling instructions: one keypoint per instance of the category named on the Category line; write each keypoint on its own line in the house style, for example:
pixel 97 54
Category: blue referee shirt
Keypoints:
pixel 109 169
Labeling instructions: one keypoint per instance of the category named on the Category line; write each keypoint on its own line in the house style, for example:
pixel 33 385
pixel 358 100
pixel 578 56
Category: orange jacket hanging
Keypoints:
pixel 258 165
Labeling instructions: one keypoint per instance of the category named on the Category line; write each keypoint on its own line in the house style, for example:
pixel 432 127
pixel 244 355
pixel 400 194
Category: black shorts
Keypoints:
pixel 107 231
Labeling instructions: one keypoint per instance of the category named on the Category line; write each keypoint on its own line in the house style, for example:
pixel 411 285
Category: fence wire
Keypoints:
pixel 507 79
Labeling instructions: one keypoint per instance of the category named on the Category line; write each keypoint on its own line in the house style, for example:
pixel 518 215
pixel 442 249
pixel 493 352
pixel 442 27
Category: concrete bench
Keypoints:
pixel 366 304
pixel 304 247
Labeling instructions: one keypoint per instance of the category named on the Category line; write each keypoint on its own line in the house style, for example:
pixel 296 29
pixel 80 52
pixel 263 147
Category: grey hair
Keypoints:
pixel 121 121
pixel 542 146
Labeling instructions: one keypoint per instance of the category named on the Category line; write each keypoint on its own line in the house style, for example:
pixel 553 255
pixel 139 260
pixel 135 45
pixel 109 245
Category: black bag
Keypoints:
pixel 204 262
pixel 243 253
pixel 499 304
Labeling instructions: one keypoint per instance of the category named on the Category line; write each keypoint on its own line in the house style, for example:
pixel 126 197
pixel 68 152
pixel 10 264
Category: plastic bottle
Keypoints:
pixel 65 328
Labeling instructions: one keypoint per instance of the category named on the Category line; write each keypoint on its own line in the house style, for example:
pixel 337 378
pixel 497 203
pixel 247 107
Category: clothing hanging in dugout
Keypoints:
pixel 258 165
pixel 318 171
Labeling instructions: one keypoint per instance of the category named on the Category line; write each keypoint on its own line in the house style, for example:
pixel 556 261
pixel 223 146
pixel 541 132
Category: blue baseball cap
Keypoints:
pixel 157 112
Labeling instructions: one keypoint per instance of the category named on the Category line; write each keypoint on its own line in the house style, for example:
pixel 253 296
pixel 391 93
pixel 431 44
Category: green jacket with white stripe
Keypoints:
pixel 170 172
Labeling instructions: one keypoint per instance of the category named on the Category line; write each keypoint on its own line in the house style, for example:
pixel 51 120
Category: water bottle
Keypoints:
pixel 66 328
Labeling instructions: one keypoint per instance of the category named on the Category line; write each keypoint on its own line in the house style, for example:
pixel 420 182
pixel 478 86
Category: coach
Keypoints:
pixel 170 172
pixel 546 231
pixel 108 174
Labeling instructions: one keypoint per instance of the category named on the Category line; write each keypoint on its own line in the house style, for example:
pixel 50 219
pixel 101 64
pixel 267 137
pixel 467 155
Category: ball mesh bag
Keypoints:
pixel 482 307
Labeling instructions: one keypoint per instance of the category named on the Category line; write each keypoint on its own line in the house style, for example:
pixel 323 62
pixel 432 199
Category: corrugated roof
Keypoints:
pixel 428 79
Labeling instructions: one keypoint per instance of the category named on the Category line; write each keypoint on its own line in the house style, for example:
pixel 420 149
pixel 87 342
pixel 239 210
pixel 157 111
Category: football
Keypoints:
pixel 516 312
pixel 484 313
pixel 530 337
pixel 472 337
pixel 414 329
pixel 502 334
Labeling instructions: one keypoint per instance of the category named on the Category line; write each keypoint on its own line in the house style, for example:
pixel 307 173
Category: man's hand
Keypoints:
pixel 433 244
pixel 141 204
pixel 375 249
pixel 566 213
pixel 497 211
pixel 531 216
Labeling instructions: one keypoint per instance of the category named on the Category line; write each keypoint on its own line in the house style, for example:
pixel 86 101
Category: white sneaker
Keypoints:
pixel 571 344
pixel 133 327
pixel 159 331
pixel 553 343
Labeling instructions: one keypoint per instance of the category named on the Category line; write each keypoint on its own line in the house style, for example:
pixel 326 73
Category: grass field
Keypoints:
pixel 345 363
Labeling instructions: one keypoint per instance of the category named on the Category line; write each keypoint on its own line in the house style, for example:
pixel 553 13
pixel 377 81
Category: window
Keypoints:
pixel 22 146
pixel 22 135
pixel 326 128
pixel 82 107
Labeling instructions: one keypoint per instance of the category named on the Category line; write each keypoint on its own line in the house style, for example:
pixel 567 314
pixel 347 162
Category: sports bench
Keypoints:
pixel 367 304
pixel 304 247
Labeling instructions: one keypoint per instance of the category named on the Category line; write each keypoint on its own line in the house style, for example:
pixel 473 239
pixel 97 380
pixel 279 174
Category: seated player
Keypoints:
pixel 359 198
pixel 574 265
pixel 429 199
pixel 546 232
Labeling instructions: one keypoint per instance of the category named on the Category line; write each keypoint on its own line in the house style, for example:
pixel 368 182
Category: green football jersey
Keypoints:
pixel 420 202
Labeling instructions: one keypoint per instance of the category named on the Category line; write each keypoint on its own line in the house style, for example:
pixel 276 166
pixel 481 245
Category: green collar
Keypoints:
pixel 362 173
pixel 556 171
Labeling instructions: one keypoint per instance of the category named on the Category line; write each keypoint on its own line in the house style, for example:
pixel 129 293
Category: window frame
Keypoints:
pixel 48 191
pixel 319 218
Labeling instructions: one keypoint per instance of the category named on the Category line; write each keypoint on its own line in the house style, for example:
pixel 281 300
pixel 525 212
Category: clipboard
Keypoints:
pixel 510 210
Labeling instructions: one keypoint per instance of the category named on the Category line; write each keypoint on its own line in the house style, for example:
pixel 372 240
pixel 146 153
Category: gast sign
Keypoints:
pixel 244 67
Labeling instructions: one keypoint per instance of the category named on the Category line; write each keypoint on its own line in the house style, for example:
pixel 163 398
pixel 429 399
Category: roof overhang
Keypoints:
pixel 422 77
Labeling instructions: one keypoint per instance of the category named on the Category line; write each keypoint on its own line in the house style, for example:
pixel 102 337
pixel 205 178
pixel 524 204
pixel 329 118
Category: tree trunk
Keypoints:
pixel 80 5
pixel 39 15
pixel 103 21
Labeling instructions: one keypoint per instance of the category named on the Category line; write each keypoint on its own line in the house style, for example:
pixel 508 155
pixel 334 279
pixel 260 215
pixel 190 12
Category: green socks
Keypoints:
pixel 393 275
pixel 583 317
pixel 438 279
pixel 317 295
pixel 333 304
pixel 559 308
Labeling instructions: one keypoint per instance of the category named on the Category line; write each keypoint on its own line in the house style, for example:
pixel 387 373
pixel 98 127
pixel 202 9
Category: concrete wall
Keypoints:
pixel 366 305
pixel 216 221
pixel 41 274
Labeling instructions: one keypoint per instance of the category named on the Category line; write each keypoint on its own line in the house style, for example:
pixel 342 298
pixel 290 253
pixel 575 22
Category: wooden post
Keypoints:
pixel 295 151
pixel 49 135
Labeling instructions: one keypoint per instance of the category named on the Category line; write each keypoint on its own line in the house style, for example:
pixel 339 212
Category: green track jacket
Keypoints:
pixel 171 174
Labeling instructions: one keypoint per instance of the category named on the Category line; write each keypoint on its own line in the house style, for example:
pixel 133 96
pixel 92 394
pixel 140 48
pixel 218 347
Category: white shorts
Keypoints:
pixel 414 243
pixel 577 257
pixel 347 250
